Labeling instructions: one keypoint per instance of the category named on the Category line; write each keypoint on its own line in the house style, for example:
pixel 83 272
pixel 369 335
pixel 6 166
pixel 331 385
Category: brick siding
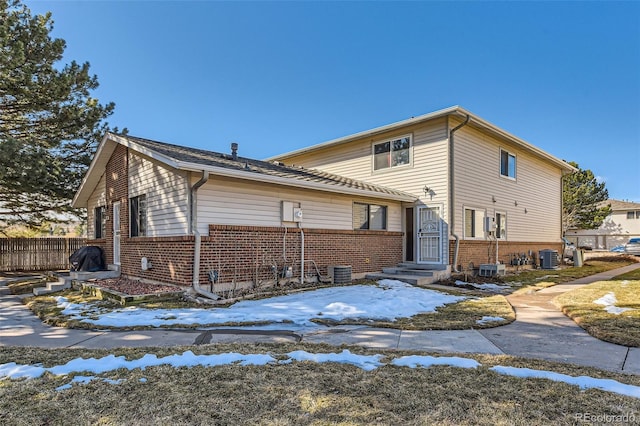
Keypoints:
pixel 480 252
pixel 248 254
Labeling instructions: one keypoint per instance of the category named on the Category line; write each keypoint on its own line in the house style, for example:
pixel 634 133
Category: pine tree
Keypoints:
pixel 49 123
pixel 583 200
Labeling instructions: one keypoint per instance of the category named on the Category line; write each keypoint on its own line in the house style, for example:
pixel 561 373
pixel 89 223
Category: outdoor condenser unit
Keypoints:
pixel 340 274
pixel 548 259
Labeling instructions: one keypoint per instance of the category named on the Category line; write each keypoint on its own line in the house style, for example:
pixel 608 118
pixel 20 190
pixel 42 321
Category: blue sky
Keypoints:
pixel 279 76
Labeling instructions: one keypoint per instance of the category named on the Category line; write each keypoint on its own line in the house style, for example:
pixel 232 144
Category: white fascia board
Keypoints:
pixel 146 151
pixel 278 180
pixel 426 117
pixel 371 132
pixel 516 140
pixel 89 180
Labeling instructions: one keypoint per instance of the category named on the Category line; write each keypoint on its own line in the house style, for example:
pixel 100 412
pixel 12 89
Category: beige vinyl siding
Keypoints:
pixel 97 198
pixel 167 193
pixel 537 187
pixel 224 201
pixel 429 161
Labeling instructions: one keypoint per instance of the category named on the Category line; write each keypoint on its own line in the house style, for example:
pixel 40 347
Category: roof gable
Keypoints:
pixel 198 160
pixel 458 111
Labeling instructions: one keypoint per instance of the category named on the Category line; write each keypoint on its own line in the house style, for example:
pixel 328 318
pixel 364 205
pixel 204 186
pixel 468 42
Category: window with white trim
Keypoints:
pixel 392 153
pixel 501 225
pixel 633 215
pixel 507 164
pixel 99 222
pixel 473 225
pixel 138 216
pixel 369 216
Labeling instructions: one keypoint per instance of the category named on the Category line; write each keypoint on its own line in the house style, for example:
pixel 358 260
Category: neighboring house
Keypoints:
pixel 462 170
pixel 622 224
pixel 162 211
pixel 419 191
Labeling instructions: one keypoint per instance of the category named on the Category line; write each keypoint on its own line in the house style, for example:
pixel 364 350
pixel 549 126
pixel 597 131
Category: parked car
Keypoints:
pixel 633 247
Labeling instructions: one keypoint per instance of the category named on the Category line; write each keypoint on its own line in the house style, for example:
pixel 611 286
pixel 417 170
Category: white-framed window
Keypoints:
pixel 507 164
pixel 633 214
pixel 99 222
pixel 473 223
pixel 138 216
pixel 501 225
pixel 392 153
pixel 369 216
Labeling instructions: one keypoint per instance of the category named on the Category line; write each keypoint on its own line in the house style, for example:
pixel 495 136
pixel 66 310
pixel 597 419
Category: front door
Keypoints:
pixel 116 233
pixel 429 235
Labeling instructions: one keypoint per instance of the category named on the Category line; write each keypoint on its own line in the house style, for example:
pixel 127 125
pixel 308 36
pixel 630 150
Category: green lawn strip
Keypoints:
pixel 623 329
pixel 302 393
pixel 632 275
pixel 533 280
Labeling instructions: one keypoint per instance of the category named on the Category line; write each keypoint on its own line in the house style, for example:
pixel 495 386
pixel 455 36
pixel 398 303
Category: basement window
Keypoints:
pixel 138 216
pixel 369 216
pixel 99 222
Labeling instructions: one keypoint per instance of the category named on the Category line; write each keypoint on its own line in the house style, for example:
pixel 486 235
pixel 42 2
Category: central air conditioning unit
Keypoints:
pixel 548 259
pixel 340 274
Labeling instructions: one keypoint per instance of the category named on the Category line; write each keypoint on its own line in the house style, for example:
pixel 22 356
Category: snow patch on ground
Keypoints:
pixel 388 300
pixel 366 362
pixel 609 302
pixel 584 382
pixel 487 319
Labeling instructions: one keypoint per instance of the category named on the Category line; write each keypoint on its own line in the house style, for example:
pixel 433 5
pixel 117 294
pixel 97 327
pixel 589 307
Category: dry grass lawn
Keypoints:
pixel 457 316
pixel 302 393
pixel 535 279
pixel 624 328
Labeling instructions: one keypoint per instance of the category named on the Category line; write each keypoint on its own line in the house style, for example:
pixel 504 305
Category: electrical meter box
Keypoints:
pixel 489 224
pixel 291 212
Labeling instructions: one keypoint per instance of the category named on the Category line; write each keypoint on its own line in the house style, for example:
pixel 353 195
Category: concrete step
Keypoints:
pixel 408 271
pixel 52 287
pixel 409 279
pixel 429 267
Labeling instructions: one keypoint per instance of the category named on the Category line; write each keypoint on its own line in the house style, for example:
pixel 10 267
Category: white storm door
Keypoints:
pixel 116 233
pixel 429 235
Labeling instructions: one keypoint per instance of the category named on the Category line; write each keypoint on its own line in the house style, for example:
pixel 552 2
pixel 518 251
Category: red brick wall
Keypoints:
pixel 117 189
pixel 484 252
pixel 246 253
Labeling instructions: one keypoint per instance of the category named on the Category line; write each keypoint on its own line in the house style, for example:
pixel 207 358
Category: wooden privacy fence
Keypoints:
pixel 37 254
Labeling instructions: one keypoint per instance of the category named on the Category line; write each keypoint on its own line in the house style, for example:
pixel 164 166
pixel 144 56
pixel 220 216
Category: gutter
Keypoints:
pixel 452 216
pixel 197 245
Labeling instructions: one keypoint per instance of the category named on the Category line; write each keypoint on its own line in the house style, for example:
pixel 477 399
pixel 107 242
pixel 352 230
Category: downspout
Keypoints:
pixel 301 254
pixel 452 203
pixel 197 239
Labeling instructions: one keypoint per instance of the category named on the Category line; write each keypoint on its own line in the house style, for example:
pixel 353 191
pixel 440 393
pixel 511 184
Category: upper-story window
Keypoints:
pixel 392 153
pixel 507 164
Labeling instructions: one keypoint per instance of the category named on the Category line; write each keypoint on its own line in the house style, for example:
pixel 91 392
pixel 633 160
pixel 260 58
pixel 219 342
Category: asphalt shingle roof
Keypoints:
pixel 215 159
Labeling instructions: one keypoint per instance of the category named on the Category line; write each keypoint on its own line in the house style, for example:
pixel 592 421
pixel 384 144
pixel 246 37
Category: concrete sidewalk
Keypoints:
pixel 540 331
